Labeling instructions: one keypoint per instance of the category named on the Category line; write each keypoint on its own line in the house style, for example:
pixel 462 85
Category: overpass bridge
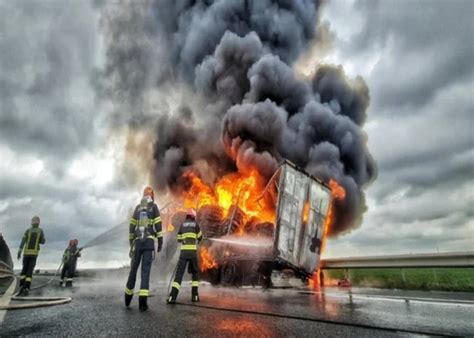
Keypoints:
pixel 431 260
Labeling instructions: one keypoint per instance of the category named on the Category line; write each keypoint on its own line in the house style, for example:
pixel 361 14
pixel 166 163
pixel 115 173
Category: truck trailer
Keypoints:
pixel 291 242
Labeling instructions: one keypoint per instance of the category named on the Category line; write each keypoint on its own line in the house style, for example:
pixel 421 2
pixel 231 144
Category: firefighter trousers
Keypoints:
pixel 145 257
pixel 26 275
pixel 191 260
pixel 68 272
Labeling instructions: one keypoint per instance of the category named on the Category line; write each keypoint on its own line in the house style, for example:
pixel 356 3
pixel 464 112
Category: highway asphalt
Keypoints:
pixel 97 309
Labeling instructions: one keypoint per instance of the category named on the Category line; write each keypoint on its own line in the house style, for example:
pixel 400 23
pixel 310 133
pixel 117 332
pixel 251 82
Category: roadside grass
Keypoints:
pixel 443 279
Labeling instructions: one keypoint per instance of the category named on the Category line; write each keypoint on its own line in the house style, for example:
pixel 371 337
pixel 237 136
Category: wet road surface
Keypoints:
pixel 97 309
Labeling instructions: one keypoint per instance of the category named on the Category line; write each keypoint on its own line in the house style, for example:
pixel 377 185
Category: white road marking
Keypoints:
pixel 5 299
pixel 456 302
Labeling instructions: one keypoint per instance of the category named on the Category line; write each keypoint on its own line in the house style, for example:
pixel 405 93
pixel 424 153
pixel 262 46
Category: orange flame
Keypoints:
pixel 207 261
pixel 243 190
pixel 337 191
pixel 306 212
pixel 313 281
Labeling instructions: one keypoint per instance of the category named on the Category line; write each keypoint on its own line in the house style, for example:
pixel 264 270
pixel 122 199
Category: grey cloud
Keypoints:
pixel 441 175
pixel 48 52
pixel 428 149
pixel 419 122
pixel 429 45
pixel 385 236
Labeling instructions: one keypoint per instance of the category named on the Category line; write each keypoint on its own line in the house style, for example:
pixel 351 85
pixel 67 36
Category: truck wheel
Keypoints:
pixel 215 276
pixel 231 274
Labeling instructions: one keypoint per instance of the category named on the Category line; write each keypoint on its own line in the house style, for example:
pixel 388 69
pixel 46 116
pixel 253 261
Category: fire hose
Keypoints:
pixel 171 279
pixel 32 302
pixel 49 280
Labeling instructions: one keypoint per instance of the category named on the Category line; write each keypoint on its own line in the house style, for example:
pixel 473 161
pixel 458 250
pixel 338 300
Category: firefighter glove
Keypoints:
pixel 19 254
pixel 159 247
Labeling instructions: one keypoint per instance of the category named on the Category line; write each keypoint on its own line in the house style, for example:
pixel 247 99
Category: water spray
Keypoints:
pixel 229 241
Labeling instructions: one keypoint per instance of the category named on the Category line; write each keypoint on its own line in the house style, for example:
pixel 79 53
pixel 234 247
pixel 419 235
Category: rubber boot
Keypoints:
pixel 142 303
pixel 61 283
pixel 194 294
pixel 68 284
pixel 172 297
pixel 26 288
pixel 128 300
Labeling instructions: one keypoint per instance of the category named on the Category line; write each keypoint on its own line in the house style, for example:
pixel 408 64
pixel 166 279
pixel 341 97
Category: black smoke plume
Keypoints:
pixel 217 79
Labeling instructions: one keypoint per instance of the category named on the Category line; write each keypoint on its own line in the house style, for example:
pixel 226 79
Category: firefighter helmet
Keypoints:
pixel 35 220
pixel 148 191
pixel 191 213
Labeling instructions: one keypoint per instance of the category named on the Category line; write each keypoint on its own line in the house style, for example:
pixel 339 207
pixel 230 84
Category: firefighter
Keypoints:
pixel 145 226
pixel 70 256
pixel 189 235
pixel 30 245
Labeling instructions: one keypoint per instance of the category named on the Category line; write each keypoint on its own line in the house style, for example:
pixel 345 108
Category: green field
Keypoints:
pixel 445 279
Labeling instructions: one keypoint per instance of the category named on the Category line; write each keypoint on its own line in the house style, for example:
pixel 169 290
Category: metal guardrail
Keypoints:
pixel 433 260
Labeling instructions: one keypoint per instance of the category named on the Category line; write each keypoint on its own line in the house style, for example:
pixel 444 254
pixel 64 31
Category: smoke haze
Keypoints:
pixel 214 83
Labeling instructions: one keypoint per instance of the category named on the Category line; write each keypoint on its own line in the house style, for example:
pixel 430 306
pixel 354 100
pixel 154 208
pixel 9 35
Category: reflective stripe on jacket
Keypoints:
pixel 189 235
pixel 30 243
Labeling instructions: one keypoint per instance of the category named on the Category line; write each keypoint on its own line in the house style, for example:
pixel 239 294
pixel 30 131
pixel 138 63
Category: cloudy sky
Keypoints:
pixel 61 160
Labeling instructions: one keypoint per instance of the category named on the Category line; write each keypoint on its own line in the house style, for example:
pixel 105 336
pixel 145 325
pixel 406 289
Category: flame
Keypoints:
pixel 243 190
pixel 207 261
pixel 313 281
pixel 338 193
pixel 306 212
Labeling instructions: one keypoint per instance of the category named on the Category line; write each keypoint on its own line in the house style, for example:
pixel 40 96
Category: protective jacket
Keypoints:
pixel 71 254
pixel 30 243
pixel 145 226
pixel 189 234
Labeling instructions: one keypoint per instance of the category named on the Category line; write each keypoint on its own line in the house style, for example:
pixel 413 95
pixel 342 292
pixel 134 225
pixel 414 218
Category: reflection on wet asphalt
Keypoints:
pixel 97 309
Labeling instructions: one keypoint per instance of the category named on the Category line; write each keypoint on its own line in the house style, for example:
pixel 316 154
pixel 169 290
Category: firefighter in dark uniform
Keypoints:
pixel 70 256
pixel 145 226
pixel 189 235
pixel 30 245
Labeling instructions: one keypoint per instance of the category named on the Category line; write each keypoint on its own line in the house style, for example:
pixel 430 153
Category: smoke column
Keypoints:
pixel 214 82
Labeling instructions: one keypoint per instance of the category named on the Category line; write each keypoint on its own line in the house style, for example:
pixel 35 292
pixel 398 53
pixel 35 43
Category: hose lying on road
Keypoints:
pixel 33 302
pixel 49 280
pixel 37 302
pixel 45 283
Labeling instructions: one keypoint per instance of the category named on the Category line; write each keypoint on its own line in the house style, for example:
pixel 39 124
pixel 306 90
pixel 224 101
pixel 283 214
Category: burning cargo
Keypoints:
pixel 250 234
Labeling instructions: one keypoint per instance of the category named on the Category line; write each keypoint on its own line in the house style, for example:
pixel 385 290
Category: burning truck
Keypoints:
pixel 213 95
pixel 249 231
